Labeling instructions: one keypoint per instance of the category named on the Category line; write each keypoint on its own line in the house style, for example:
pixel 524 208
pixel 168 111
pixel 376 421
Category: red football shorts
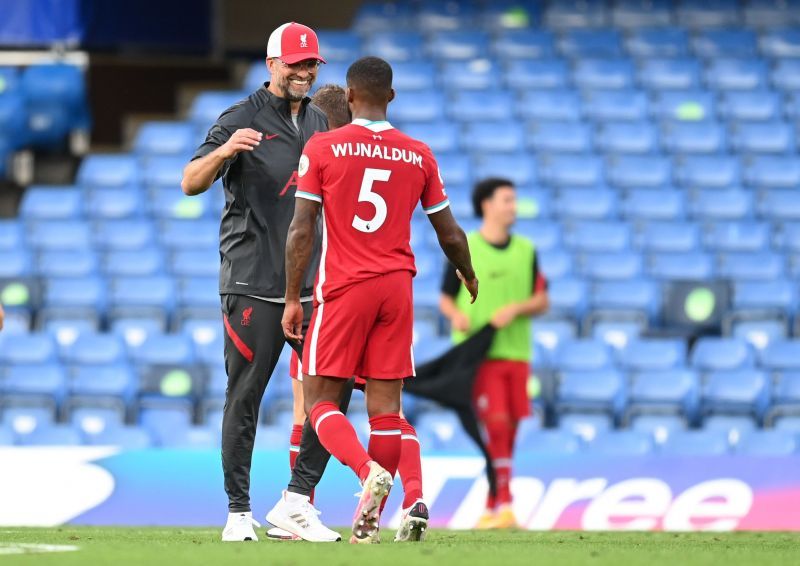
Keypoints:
pixel 501 388
pixel 365 331
pixel 295 367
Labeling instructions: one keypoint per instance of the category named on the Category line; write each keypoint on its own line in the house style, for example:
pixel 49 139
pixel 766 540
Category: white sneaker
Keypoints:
pixel 367 520
pixel 239 528
pixel 413 523
pixel 279 534
pixel 295 514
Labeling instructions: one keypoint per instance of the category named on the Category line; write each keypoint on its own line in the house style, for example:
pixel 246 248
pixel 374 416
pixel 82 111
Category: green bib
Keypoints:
pixel 506 276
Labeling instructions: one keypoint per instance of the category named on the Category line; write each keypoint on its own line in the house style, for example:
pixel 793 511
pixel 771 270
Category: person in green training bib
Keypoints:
pixel 513 289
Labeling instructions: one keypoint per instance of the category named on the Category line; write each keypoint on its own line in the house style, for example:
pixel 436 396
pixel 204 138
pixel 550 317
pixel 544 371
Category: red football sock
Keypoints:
pixel 294 444
pixel 410 464
pixel 384 441
pixel 339 437
pixel 499 432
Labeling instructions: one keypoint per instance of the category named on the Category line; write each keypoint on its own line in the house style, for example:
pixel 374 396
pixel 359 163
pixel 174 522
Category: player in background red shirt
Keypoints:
pixel 366 178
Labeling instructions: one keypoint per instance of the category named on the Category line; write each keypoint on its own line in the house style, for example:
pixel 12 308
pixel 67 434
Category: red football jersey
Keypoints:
pixel 369 178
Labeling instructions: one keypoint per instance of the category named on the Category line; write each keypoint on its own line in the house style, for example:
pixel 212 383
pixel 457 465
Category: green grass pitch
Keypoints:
pixel 176 546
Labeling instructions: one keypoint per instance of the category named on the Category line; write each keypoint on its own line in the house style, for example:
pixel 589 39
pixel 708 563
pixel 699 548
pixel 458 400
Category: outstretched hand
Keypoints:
pixel 470 284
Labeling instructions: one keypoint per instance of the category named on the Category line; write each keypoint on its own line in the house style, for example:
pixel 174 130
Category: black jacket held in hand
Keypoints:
pixel 259 193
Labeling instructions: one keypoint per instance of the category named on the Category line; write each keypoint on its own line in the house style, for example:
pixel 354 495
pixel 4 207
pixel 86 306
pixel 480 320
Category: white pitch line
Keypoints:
pixel 32 548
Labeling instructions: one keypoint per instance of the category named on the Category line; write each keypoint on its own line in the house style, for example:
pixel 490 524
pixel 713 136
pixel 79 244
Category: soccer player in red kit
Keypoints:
pixel 367 179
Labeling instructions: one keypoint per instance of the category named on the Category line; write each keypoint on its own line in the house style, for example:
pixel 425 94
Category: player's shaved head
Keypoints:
pixel 332 100
pixel 371 79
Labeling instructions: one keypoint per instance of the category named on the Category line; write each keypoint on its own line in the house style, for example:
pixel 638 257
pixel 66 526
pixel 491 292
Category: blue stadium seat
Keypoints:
pixel 617 333
pixel 736 74
pixel 681 265
pixel 95 379
pixel 779 42
pixel 69 263
pixel 767 443
pixel 523 44
pixel 422 106
pixel 166 203
pixel 556 263
pixel 602 105
pixel 534 204
pixel 6 437
pixel 559 104
pixel 631 295
pixel 788 423
pixel 559 136
pixel 788 237
pixel 23 419
pixel 786 75
pixel 635 14
pixel 497 136
pixel 752 266
pixel 43 380
pixel 210 352
pixel 669 237
pixel 627 137
pixel 551 442
pixel 732 42
pixel 60 234
pixel 780 204
pixel 54 435
pixel 125 437
pixel 456 169
pixel 517 167
pixel 601 390
pixel 773 172
pixel 493 105
pixel 721 354
pixel 737 236
pixel 693 137
pixel 413 76
pixel 715 204
pixel 582 203
pixel 199 293
pixel 582 355
pixel 157 420
pixel 56 102
pixel 94 349
pixel 12 234
pixel 653 355
pixel 568 297
pixel 124 234
pixel 16 263
pixel 781 356
pixel 786 394
pixel 208 105
pixel 13 118
pixel 612 266
pixel 591 73
pixel 91 420
pixel 440 136
pixel 599 236
pixel 684 105
pixel 659 41
pixel 165 349
pixel 736 392
pixel 707 14
pixel 395 45
pixel 763 137
pixel 183 234
pixel 585 425
pixel 202 330
pixel 759 329
pixel 546 235
pixel 639 171
pixel 571 170
pixel 131 263
pixel 660 427
pixel 474 74
pixel 120 171
pixel 699 171
pixel 45 202
pixel 660 391
pixel 196 263
pixel 88 293
pixel 339 46
pixel 696 443
pixel 164 172
pixel 670 74
pixel 735 426
pixel 750 106
pixel 458 44
pixel 536 74
pixel 26 349
pixel 582 43
pixel 165 138
pixel 623 443
pixel 550 333
pixel 446 431
pixel 138 294
pixel 431 350
pixel 135 329
pixel 654 204
pixel 66 327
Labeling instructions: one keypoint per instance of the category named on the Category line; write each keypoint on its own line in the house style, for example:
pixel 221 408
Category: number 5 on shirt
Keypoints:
pixel 376 200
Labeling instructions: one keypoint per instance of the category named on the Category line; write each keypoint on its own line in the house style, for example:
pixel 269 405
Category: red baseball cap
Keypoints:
pixel 292 43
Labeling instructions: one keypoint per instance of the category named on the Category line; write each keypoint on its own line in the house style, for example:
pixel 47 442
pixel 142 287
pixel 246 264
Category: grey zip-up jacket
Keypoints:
pixel 259 193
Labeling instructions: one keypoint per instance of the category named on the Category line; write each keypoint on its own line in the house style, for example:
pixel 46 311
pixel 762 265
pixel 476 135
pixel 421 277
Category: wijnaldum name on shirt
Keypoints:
pixel 349 149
